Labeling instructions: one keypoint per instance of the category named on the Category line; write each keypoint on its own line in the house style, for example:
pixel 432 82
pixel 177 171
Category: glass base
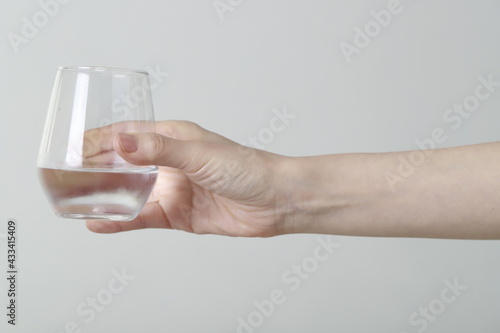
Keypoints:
pixel 109 217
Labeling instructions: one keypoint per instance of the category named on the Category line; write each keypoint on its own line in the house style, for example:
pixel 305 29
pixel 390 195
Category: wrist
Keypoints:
pixel 307 193
pixel 330 194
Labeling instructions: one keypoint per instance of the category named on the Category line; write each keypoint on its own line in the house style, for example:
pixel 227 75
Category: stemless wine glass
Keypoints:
pixel 82 175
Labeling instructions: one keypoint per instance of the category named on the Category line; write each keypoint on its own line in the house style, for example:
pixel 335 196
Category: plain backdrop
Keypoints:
pixel 228 71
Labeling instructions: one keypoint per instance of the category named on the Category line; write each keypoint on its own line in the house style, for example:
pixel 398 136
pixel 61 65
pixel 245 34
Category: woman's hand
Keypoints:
pixel 206 183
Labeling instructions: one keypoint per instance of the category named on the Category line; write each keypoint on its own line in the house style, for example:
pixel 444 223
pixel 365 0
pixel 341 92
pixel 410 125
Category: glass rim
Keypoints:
pixel 101 69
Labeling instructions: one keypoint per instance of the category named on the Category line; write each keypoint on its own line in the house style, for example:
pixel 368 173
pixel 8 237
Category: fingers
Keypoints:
pixel 99 140
pixel 151 216
pixel 98 145
pixel 156 149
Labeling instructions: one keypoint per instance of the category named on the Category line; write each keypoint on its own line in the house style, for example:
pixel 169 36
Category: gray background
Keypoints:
pixel 228 75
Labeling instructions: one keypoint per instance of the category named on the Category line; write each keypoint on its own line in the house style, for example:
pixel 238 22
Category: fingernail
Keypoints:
pixel 128 142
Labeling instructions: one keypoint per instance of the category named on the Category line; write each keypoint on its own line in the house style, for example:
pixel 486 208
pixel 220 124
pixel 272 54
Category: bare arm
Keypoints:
pixel 443 193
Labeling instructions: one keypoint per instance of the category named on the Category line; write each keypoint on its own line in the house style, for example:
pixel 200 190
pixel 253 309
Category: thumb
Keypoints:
pixel 156 149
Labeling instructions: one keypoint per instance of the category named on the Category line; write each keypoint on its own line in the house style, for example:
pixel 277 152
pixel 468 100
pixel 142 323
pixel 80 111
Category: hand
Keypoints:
pixel 206 183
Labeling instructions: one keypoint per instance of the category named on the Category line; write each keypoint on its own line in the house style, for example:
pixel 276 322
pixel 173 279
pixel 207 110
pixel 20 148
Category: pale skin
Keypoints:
pixel 210 184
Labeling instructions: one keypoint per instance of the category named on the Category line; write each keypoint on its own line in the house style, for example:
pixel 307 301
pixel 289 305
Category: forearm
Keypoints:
pixel 446 193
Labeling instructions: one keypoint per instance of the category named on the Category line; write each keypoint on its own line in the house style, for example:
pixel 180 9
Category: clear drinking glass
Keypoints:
pixel 82 175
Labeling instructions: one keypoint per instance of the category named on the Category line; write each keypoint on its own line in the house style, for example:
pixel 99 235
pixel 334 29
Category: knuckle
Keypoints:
pixel 188 130
pixel 157 143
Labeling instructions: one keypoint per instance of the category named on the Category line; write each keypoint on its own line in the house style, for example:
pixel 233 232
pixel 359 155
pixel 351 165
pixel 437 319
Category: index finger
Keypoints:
pixel 99 141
